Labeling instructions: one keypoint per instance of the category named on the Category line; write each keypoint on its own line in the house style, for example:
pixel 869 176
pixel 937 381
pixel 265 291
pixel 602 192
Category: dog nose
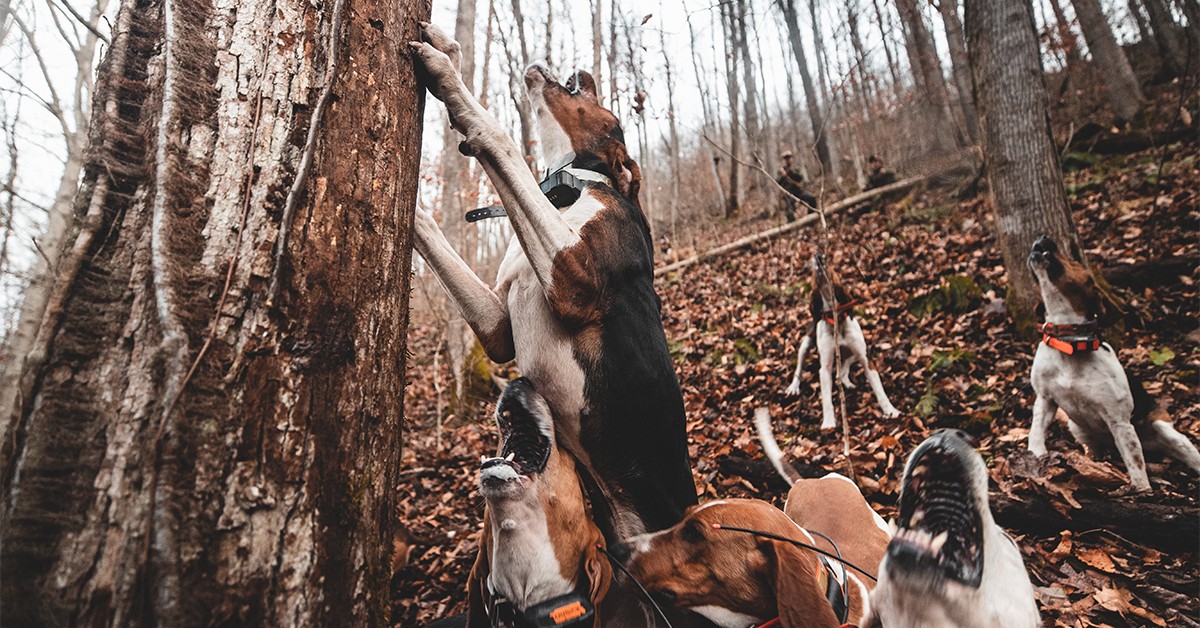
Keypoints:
pixel 1043 244
pixel 620 551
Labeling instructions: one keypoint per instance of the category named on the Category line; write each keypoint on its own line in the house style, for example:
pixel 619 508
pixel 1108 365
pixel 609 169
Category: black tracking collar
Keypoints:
pixel 563 185
pixel 572 609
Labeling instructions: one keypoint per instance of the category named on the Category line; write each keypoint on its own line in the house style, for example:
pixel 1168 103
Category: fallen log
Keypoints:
pixel 812 217
pixel 1140 519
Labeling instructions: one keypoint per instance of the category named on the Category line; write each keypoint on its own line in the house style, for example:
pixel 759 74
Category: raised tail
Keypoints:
pixel 762 423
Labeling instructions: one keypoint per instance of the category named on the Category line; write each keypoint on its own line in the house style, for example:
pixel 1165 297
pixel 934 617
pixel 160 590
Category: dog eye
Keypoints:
pixel 691 532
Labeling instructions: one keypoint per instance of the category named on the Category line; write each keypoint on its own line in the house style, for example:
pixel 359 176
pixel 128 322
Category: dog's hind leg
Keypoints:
pixel 539 226
pixel 1043 410
pixel 482 307
pixel 1164 437
pixel 858 344
pixel 1130 448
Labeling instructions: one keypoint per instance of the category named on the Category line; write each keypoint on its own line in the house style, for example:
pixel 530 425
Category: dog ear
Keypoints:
pixel 793 576
pixel 599 572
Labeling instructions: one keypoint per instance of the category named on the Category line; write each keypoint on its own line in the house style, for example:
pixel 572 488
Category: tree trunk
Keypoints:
pixel 194 448
pixel 958 60
pixel 458 197
pixel 673 138
pixel 893 67
pixel 1124 92
pixel 750 83
pixel 597 46
pixel 927 70
pixel 1168 36
pixel 729 21
pixel 791 19
pixel 1066 36
pixel 1026 188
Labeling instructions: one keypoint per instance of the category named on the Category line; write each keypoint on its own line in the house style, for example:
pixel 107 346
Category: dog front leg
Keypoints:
pixel 826 348
pixel 805 345
pixel 1043 410
pixel 539 226
pixel 483 309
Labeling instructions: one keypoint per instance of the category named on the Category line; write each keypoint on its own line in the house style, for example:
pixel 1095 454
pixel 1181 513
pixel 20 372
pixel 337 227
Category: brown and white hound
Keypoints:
pixel 736 579
pixel 949 565
pixel 831 306
pixel 540 562
pixel 574 300
pixel 1076 372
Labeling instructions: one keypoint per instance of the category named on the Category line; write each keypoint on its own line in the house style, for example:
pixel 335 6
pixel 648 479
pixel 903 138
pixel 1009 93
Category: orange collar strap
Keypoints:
pixel 839 313
pixel 1070 339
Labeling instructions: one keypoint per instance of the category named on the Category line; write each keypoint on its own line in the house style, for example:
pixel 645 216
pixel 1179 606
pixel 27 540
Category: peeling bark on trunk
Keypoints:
pixel 1026 188
pixel 244 470
pixel 1124 92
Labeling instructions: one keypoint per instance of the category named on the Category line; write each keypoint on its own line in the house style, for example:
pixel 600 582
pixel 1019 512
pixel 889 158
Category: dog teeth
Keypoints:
pixel 510 456
pixel 892 527
pixel 938 541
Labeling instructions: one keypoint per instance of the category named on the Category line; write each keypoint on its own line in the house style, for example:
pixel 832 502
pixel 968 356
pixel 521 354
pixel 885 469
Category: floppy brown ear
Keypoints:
pixel 476 589
pixel 599 572
pixel 793 576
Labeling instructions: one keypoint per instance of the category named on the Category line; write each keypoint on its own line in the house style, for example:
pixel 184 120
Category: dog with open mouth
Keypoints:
pixel 540 561
pixel 949 565
pixel 1077 372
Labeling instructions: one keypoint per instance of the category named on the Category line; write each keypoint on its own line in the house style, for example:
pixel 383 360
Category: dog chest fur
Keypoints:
pixel 1090 387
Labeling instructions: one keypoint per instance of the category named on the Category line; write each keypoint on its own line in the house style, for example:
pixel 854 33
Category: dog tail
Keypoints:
pixel 762 423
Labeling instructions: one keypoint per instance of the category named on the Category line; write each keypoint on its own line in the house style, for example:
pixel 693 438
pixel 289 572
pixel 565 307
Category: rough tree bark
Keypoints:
pixel 73 118
pixel 791 19
pixel 1025 177
pixel 597 45
pixel 1121 86
pixel 959 64
pixel 189 450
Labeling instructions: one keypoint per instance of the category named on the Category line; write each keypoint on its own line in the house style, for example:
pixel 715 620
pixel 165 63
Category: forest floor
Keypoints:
pixel 930 278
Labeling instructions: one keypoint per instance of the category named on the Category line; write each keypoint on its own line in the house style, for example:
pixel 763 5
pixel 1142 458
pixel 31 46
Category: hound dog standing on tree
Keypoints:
pixel 574 300
pixel 1075 371
pixel 831 307
pixel 949 565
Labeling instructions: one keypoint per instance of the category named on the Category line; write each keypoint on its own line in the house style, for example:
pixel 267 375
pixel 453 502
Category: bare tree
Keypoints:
pixel 458 197
pixel 1121 86
pixel 1020 156
pixel 597 46
pixel 1168 36
pixel 959 64
pixel 209 427
pixel 732 52
pixel 927 70
pixel 791 20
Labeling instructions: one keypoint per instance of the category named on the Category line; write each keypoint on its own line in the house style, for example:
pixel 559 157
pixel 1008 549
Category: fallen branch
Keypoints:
pixel 1167 527
pixel 841 205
